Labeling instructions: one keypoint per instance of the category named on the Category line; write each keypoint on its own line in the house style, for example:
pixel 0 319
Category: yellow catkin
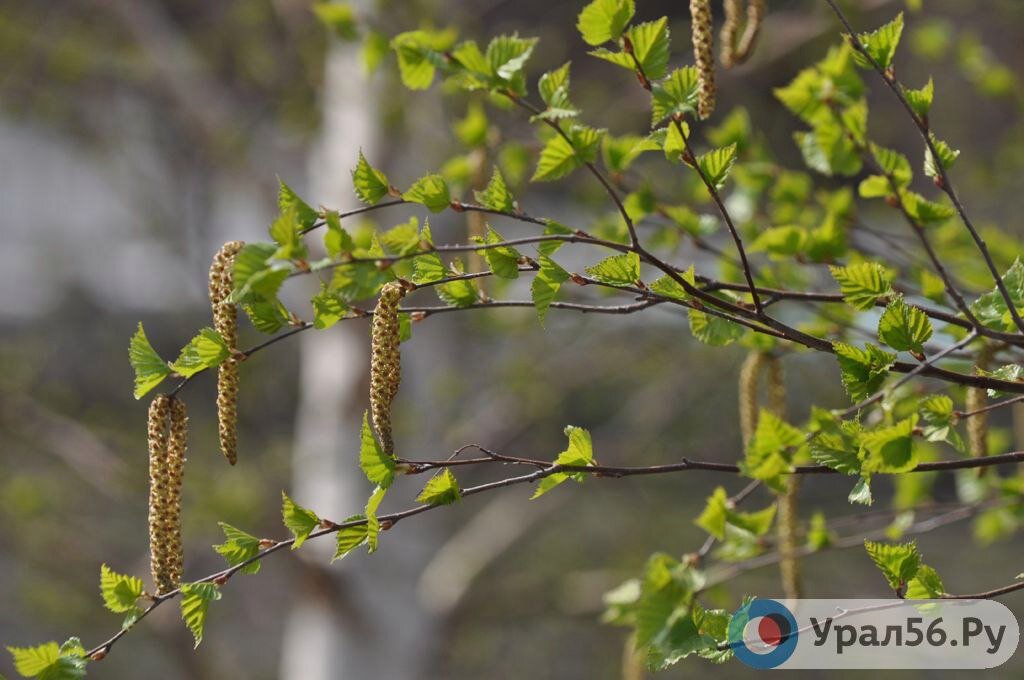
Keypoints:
pixel 756 10
pixel 730 27
pixel 385 362
pixel 754 366
pixel 700 15
pixel 168 435
pixel 977 398
pixel 225 322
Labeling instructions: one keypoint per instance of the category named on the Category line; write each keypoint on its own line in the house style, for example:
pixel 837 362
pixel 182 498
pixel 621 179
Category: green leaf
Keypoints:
pixel 714 330
pixel 818 535
pixel 991 308
pixel 947 156
pixel 904 328
pixel 875 186
pixel 460 293
pixel 828 150
pixel 503 260
pixel 431 191
pixel 372 523
pixel 402 239
pixel 149 368
pixel 861 492
pixel 677 94
pixel 618 153
pixel 770 451
pixel 286 231
pixel 863 370
pixel 350 538
pixel 921 100
pixel 119 591
pixel 890 449
pixel 899 562
pixel 881 44
pixel 378 466
pixel 560 156
pixel 924 211
pixel 255 274
pixel 580 452
pixel 339 17
pixel 718 512
pixel 267 315
pixel 666 286
pixel 940 424
pixel 420 55
pixel 289 201
pixel 893 164
pixel 442 489
pixel 298 520
pixel 862 284
pixel 204 351
pixel 604 20
pixel 238 546
pixel 925 585
pixel 50 662
pixel 507 55
pixel 496 195
pixel 370 184
pixel 715 165
pixel 650 41
pixel 554 91
pixel 620 270
pixel 195 601
pixel 472 130
pixel 837 452
pixel 546 285
pixel 782 241
pixel 328 308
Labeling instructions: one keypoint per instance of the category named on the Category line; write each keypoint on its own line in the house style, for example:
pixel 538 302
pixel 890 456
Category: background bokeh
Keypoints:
pixel 138 135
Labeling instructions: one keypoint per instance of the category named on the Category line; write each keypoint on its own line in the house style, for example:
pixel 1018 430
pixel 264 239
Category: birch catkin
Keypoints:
pixel 754 366
pixel 977 399
pixel 730 27
pixel 700 14
pixel 225 321
pixel 168 436
pixel 734 54
pixel 385 362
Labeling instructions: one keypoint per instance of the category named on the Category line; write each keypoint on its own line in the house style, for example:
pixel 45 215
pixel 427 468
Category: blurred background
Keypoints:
pixel 136 136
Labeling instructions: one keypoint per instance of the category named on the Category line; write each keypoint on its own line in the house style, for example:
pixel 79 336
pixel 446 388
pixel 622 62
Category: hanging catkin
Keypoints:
pixel 168 435
pixel 756 364
pixel 977 399
pixel 700 15
pixel 225 321
pixel 385 362
pixel 734 54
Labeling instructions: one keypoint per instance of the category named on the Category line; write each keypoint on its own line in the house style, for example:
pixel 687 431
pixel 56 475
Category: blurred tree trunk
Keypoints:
pixel 352 619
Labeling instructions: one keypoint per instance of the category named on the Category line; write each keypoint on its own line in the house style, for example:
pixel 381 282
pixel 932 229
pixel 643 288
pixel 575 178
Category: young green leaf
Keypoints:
pixel 560 156
pixel 818 536
pixel 267 315
pixel 650 44
pixel 604 20
pixel 149 368
pixel 257 274
pixel 862 284
pixel 546 285
pixel 904 328
pixel 372 523
pixel 554 90
pixel 442 489
pixel 893 164
pixel 204 351
pixel 195 601
pixel 714 330
pixel 503 260
pixel 378 466
pixel 459 293
pixel 289 201
pixel 496 195
pixel 51 662
pixel 926 585
pixel 370 184
pixel 328 308
pixel 340 17
pixel 899 562
pixel 580 452
pixel 880 44
pixel 238 546
pixel 677 94
pixel 861 492
pixel 620 270
pixel 770 451
pixel 298 520
pixel 118 590
pixel 921 100
pixel 351 537
pixel 947 156
pixel 431 191
pixel 863 370
pixel 890 449
pixel 991 308
pixel 716 164
pixel 924 211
